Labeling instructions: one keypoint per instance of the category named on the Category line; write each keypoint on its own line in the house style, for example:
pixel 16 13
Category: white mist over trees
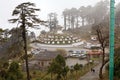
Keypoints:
pixel 85 15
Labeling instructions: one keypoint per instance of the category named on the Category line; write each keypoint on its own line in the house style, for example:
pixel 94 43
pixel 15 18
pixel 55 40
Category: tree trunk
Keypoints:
pixel 69 21
pixel 25 49
pixel 25 45
pixel 50 24
pixel 72 22
pixel 103 63
pixel 100 72
pixel 83 22
pixel 77 23
pixel 65 22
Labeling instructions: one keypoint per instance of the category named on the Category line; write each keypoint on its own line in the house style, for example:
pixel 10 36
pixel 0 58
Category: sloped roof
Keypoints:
pixel 47 55
pixel 94 52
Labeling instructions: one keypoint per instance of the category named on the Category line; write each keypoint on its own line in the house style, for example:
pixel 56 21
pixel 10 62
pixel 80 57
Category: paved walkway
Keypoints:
pixel 92 75
pixel 63 46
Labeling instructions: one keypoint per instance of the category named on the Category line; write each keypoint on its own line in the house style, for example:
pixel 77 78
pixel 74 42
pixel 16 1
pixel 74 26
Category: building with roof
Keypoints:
pixel 94 53
pixel 42 60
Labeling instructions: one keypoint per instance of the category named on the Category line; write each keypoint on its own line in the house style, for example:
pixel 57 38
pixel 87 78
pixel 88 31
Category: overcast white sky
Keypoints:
pixel 46 6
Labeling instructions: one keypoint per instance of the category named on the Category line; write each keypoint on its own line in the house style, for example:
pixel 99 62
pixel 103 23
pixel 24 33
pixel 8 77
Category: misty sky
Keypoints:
pixel 46 6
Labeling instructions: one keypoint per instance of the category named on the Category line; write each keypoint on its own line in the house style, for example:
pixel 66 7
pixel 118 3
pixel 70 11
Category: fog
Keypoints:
pixel 46 6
